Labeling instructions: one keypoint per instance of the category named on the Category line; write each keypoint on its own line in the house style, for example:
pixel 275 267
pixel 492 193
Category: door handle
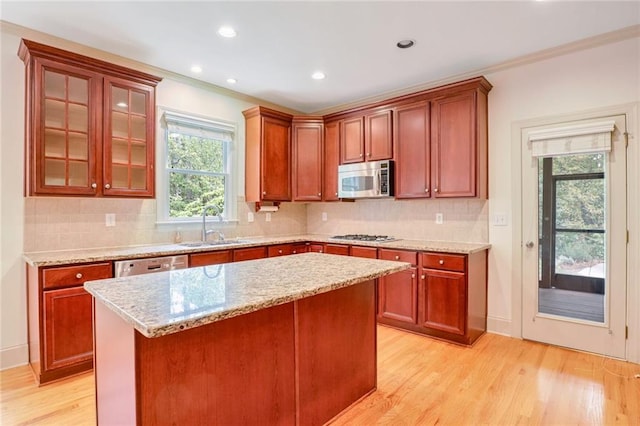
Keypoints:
pixel 529 244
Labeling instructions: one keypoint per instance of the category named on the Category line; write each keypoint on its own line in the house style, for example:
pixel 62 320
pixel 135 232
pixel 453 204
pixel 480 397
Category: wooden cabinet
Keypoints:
pixel 249 253
pixel 331 160
pixel 315 248
pixel 340 249
pixel 367 252
pixel 452 296
pixel 397 293
pixel 459 145
pixel 210 258
pixel 308 138
pixel 60 319
pixel 441 144
pixel 90 125
pixel 367 138
pixel 267 155
pixel 286 249
pixel 413 151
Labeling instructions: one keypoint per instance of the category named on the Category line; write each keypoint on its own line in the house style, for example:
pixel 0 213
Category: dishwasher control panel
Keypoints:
pixel 125 268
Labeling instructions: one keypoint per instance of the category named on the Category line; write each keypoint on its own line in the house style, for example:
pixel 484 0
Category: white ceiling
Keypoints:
pixel 279 44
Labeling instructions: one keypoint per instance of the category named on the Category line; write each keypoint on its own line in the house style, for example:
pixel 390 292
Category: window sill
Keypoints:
pixel 194 223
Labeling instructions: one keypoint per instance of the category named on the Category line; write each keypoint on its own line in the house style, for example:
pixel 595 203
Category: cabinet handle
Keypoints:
pixel 441 262
pixel 78 275
pixel 107 186
pixel 422 277
pixel 397 257
pixel 94 185
pixel 426 190
pixel 435 190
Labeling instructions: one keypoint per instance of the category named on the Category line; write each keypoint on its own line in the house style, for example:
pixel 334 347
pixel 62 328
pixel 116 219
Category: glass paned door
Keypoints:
pixel 574 251
pixel 66 131
pixel 128 151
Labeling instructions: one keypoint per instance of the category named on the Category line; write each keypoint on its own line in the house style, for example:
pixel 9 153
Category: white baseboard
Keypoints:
pixel 14 356
pixel 501 326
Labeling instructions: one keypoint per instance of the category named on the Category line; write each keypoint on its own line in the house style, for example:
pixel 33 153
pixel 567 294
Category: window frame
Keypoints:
pixel 194 121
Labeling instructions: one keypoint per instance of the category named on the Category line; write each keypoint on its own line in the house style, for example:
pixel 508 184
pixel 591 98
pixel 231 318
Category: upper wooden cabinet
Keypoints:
pixel 367 138
pixel 331 160
pixel 267 155
pixel 308 136
pixel 459 145
pixel 413 151
pixel 441 144
pixel 89 125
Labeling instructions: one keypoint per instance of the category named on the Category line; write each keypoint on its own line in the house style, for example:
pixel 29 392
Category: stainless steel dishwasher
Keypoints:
pixel 125 268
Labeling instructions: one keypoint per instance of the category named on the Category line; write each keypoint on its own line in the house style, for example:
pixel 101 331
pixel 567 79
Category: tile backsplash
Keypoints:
pixel 61 223
pixel 463 220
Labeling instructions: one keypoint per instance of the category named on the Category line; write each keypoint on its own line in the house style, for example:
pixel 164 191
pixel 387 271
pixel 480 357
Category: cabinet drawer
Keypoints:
pixel 399 255
pixel 450 262
pixel 368 252
pixel 211 258
pixel 249 253
pixel 68 276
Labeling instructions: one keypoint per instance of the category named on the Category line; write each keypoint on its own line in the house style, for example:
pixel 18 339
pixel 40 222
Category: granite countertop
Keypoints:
pixel 167 302
pixel 67 257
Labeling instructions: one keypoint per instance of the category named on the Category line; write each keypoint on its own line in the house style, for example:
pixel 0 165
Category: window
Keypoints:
pixel 197 168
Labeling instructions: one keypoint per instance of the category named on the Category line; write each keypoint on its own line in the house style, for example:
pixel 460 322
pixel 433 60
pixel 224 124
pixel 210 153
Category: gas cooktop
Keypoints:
pixel 364 237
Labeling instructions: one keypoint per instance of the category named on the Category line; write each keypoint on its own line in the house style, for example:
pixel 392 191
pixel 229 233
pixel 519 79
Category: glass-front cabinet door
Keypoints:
pixel 65 160
pixel 128 138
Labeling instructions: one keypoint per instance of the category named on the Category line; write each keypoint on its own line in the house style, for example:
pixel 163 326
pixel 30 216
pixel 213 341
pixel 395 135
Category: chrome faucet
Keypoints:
pixel 205 231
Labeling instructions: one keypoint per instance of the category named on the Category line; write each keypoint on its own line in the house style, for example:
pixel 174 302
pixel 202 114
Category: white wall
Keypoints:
pixel 595 78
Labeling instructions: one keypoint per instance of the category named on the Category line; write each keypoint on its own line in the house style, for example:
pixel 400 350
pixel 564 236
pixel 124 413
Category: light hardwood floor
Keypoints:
pixel 421 381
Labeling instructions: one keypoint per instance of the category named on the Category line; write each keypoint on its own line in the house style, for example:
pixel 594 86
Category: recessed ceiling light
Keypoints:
pixel 227 32
pixel 232 81
pixel 196 68
pixel 405 44
pixel 318 75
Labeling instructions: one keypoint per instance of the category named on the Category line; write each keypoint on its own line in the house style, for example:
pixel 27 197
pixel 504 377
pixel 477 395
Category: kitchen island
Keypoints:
pixel 287 340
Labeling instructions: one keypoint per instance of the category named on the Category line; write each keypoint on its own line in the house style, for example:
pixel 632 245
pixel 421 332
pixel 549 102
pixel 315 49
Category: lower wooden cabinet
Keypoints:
pixel 397 295
pixel 60 319
pixel 443 301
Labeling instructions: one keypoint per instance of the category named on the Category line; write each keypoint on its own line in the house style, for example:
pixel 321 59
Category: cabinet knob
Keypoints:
pixel 264 192
pixel 279 251
pixel 441 262
pixel 320 251
pixel 319 194
pixel 94 185
pixel 107 186
pixel 368 154
pixel 413 276
pixel 78 275
pixel 435 190
pixel 360 154
pixel 336 194
pixel 295 252
pixel 397 257
pixel 426 190
pixel 422 277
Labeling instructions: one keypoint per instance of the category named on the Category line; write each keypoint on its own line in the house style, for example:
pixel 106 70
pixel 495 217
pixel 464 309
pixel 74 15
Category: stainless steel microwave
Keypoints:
pixel 373 179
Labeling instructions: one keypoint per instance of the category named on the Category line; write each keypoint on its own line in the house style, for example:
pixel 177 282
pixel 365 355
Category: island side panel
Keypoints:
pixel 114 359
pixel 236 371
pixel 336 344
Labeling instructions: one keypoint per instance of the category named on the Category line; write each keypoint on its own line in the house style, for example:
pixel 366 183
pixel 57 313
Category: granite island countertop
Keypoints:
pixel 167 302
pixel 68 257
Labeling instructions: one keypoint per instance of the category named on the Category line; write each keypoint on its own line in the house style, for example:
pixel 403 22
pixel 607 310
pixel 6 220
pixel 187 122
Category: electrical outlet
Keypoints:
pixel 268 217
pixel 500 219
pixel 324 216
pixel 250 217
pixel 110 219
pixel 439 218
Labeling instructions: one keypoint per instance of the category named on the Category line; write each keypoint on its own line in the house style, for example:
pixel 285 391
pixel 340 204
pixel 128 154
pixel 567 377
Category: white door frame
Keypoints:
pixel 633 213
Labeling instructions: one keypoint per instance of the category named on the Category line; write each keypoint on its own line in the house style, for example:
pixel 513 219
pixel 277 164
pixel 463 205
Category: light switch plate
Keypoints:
pixel 110 219
pixel 500 219
pixel 439 218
